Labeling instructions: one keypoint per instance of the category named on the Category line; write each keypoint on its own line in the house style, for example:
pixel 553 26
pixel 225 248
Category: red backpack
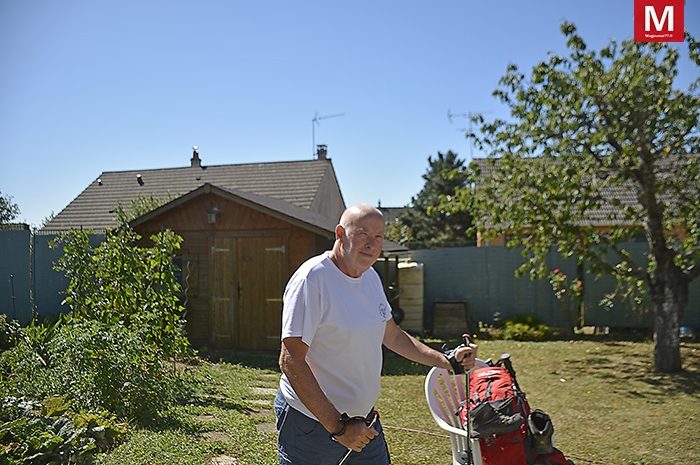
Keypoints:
pixel 497 411
pixel 498 415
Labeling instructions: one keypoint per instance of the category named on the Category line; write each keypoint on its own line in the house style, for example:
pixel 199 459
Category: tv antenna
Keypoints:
pixel 315 121
pixel 469 116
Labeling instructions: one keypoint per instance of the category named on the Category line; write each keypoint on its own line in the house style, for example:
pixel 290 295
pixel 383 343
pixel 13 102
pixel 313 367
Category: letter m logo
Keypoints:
pixel 658 20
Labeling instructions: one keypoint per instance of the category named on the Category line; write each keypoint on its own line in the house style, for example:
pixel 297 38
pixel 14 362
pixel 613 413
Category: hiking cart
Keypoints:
pixel 495 424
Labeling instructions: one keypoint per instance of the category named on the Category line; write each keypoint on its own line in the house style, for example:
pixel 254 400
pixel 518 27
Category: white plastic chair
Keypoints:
pixel 444 392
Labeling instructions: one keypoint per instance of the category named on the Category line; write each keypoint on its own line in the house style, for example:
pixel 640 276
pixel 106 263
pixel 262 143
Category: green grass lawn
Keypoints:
pixel 607 405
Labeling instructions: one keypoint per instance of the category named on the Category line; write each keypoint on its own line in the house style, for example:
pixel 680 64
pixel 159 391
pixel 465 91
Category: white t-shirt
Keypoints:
pixel 342 320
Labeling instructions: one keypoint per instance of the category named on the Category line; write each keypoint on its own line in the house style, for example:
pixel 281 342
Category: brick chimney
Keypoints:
pixel 195 162
pixel 321 152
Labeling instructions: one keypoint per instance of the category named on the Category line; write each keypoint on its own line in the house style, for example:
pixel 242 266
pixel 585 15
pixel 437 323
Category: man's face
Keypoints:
pixel 362 243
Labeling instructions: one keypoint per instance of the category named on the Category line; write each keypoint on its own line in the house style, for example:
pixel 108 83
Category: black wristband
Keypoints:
pixel 344 418
pixel 457 367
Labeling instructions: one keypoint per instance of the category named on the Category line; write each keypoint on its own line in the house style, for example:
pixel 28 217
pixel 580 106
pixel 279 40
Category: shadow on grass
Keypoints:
pixel 261 359
pixel 173 420
pixel 620 366
pixel 268 360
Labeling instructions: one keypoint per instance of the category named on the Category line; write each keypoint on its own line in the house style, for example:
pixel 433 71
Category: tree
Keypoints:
pixel 122 283
pixel 429 226
pixel 8 209
pixel 140 206
pixel 583 129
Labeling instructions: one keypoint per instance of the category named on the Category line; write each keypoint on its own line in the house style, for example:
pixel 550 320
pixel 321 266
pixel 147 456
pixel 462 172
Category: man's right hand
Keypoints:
pixel 357 435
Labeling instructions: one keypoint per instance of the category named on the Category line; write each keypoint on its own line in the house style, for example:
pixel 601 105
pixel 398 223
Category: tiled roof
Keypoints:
pixel 615 198
pixel 392 213
pixel 269 205
pixel 293 182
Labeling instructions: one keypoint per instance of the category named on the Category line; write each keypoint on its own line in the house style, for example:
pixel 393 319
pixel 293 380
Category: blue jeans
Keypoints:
pixel 303 441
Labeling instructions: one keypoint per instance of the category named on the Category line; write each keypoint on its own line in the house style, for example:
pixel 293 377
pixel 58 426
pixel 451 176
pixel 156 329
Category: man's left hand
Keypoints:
pixel 462 357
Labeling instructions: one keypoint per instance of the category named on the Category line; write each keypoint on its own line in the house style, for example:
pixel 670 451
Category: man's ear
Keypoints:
pixel 339 232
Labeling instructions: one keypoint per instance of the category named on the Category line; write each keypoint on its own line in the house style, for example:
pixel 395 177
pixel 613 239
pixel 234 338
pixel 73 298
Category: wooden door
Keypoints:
pixel 262 262
pixel 224 292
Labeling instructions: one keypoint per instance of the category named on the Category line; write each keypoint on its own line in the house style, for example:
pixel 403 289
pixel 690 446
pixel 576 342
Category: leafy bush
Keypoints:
pixel 525 328
pixel 120 283
pixel 111 367
pixel 23 373
pixel 97 366
pixel 9 332
pixel 31 433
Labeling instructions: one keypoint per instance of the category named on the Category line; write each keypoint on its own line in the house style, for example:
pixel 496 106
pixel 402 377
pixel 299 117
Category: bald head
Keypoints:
pixel 358 213
pixel 359 238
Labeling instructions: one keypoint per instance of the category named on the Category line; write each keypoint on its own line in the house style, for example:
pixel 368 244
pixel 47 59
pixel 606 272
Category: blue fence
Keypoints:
pixel 481 277
pixel 484 279
pixel 15 275
pixel 29 283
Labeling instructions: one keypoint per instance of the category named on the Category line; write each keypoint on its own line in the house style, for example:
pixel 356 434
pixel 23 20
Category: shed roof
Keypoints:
pixel 277 208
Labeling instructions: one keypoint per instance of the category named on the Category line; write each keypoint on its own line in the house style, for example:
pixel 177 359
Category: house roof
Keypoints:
pixel 293 182
pixel 286 190
pixel 615 199
pixel 392 213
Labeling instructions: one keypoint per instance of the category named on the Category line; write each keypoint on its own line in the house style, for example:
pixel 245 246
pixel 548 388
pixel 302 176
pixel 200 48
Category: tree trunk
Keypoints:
pixel 668 310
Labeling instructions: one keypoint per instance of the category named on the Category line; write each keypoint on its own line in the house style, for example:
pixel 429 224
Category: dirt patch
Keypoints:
pixel 216 436
pixel 260 403
pixel 266 428
pixel 264 391
pixel 223 460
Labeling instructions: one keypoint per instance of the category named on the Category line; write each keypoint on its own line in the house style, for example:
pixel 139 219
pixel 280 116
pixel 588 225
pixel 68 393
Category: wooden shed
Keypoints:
pixel 239 250
pixel 246 228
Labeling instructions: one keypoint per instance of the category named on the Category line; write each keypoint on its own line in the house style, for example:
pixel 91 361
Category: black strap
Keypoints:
pixel 488 389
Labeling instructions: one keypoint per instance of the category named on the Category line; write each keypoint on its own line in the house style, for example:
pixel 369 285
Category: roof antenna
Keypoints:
pixel 469 115
pixel 314 121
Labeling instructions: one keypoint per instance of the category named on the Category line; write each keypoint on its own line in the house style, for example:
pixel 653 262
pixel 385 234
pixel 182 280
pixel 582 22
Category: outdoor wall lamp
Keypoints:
pixel 212 214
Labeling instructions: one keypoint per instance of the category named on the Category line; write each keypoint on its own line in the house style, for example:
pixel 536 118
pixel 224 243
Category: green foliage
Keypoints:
pixel 140 206
pixel 30 434
pixel 97 366
pixel 8 209
pixel 428 226
pixel 121 283
pixel 398 232
pixel 24 373
pixel 597 139
pixel 9 332
pixel 111 353
pixel 111 367
pixel 525 328
pixel 38 334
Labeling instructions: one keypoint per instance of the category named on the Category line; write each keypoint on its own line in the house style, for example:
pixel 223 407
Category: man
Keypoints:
pixel 335 320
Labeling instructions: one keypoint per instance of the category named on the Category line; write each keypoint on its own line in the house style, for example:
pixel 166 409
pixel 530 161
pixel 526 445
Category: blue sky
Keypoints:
pixel 92 86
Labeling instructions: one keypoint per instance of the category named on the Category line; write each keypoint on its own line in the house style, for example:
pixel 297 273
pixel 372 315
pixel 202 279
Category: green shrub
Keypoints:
pixel 111 367
pixel 31 433
pixel 525 328
pixel 98 366
pixel 23 373
pixel 121 283
pixel 9 332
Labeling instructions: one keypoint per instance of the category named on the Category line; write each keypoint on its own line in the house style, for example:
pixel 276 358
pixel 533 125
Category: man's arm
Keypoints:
pixel 399 341
pixel 293 364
